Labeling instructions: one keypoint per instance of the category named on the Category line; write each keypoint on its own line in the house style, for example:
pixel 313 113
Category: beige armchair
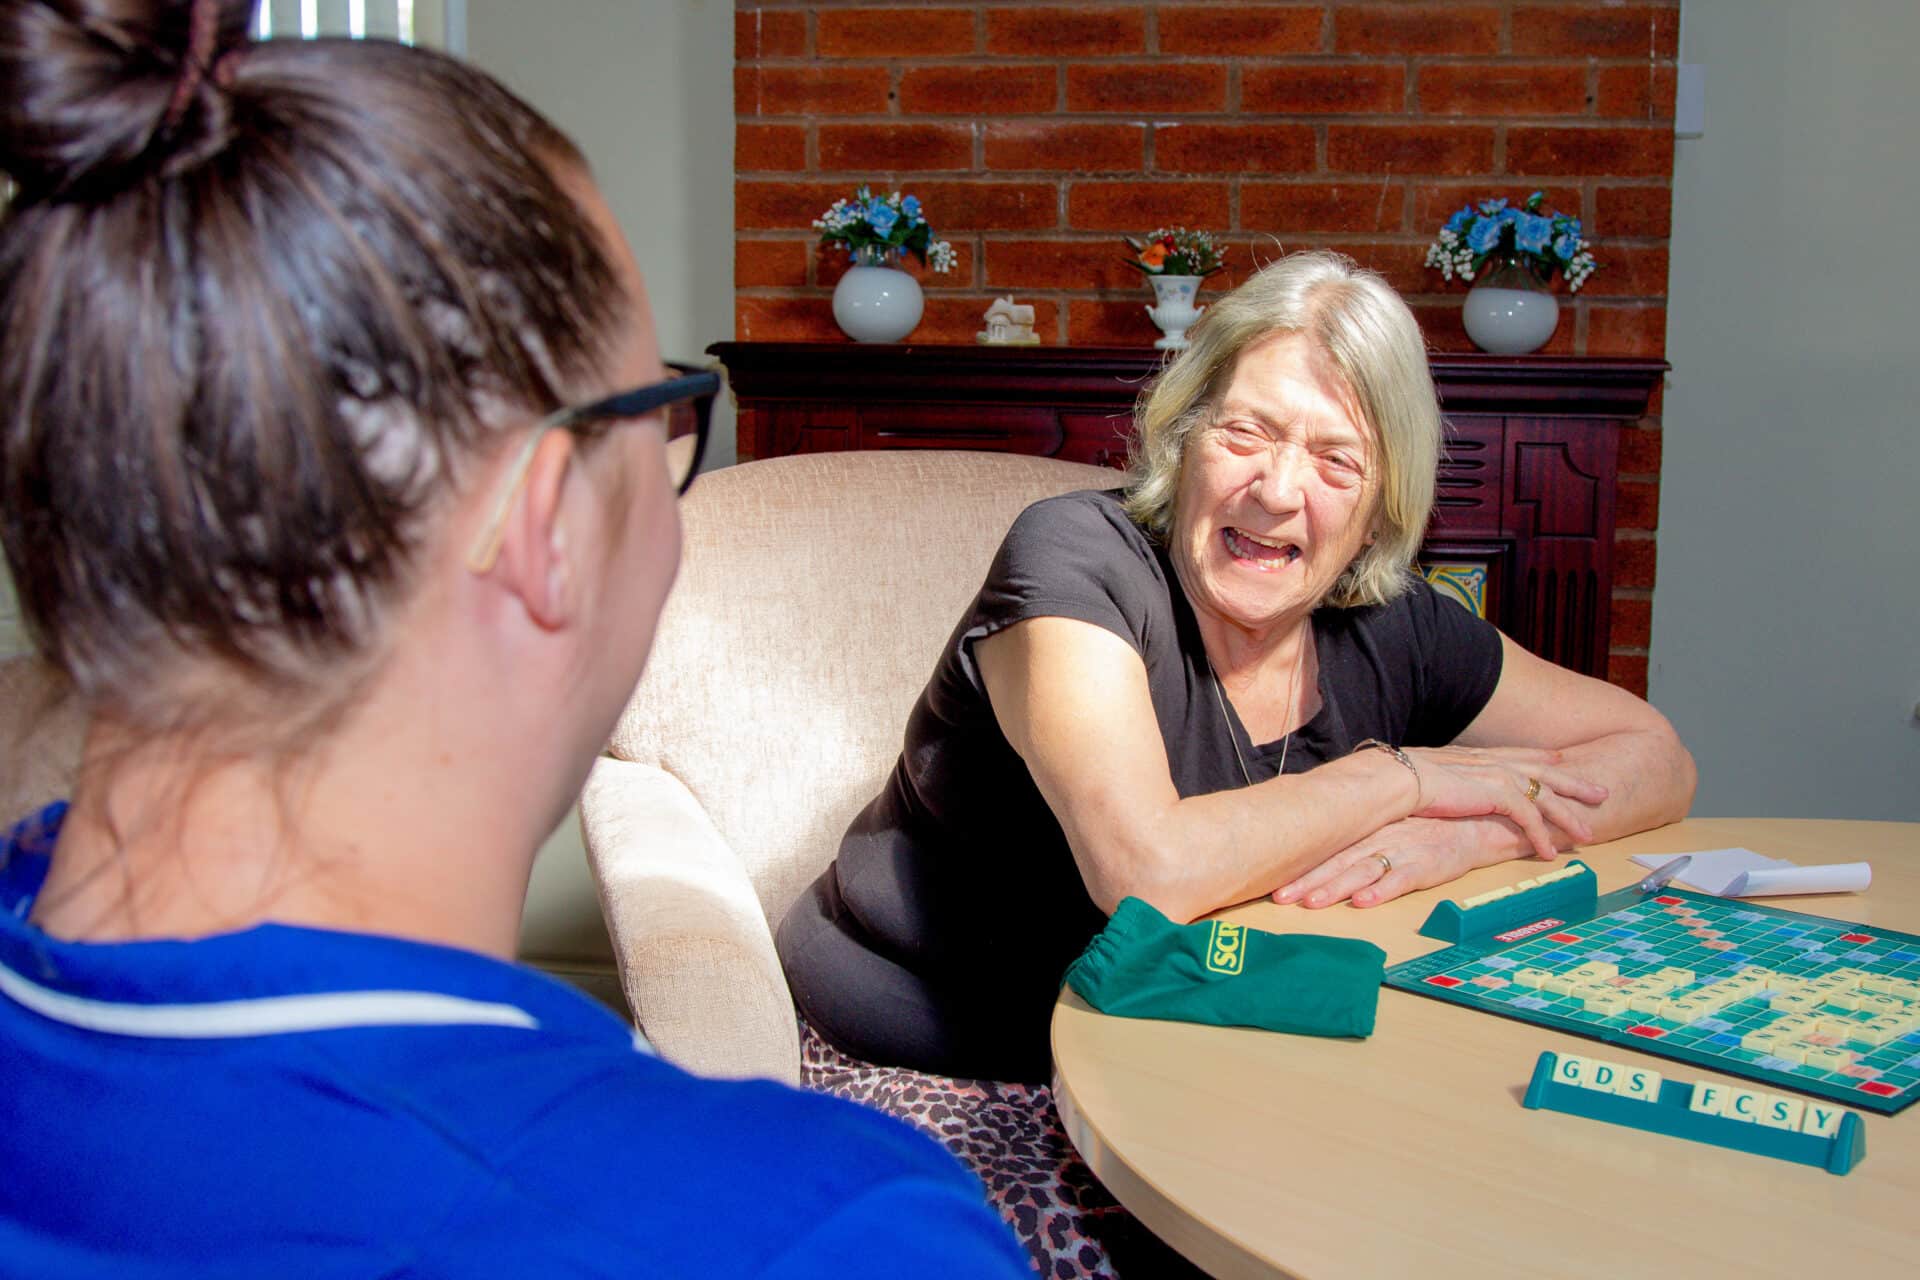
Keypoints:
pixel 39 739
pixel 814 596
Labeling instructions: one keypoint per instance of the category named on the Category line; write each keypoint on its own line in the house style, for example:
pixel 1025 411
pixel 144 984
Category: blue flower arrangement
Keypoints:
pixel 1542 239
pixel 874 226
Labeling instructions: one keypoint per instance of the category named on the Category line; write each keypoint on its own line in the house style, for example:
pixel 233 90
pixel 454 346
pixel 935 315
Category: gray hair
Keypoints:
pixel 1361 324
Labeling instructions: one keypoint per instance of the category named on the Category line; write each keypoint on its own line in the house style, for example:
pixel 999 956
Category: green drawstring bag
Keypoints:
pixel 1143 965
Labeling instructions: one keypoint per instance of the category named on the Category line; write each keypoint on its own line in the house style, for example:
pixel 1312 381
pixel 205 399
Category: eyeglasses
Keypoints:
pixel 685 424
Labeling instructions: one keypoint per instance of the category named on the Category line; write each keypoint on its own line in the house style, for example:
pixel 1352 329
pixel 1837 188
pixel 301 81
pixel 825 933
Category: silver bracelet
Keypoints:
pixel 1419 792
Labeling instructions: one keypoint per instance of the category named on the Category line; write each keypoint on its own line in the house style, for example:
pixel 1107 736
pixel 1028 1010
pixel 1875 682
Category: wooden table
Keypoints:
pixel 1409 1153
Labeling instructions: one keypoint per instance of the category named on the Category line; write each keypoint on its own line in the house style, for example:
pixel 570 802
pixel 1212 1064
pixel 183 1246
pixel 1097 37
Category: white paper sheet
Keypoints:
pixel 1742 873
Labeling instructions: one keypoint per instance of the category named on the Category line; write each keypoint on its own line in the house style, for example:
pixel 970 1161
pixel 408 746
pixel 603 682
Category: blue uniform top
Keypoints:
pixel 290 1101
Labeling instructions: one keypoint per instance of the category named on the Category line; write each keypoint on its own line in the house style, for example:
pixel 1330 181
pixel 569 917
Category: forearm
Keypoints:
pixel 1200 853
pixel 1649 777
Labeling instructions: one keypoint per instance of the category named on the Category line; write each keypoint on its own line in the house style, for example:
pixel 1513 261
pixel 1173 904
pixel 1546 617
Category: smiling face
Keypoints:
pixel 1276 491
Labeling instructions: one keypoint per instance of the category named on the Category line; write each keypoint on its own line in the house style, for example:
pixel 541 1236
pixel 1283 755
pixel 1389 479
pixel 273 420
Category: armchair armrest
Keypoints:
pixel 696 956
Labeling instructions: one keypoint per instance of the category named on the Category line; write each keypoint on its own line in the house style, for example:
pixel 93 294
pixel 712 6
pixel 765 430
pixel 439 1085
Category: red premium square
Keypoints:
pixel 1444 981
pixel 1669 902
pixel 1879 1089
pixel 1856 937
pixel 1563 937
pixel 1651 1033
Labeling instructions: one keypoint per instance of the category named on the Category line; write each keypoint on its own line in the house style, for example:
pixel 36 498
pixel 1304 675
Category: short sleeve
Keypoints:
pixel 1075 556
pixel 1458 665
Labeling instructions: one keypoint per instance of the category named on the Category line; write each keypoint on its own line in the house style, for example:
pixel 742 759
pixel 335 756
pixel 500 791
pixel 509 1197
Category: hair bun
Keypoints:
pixel 97 94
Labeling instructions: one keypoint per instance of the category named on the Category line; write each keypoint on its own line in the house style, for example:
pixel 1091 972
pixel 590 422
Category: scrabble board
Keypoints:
pixel 1819 1006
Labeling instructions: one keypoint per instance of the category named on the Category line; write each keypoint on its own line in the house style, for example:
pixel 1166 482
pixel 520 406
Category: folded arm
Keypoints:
pixel 1073 701
pixel 1600 733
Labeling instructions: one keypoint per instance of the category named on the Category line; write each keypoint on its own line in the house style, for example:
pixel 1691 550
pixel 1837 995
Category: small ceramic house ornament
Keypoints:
pixel 1008 325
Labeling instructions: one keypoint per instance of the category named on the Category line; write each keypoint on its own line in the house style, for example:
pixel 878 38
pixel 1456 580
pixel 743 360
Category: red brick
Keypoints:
pixel 968 91
pixel 830 262
pixel 1081 31
pixel 1627 272
pixel 1058 264
pixel 769 33
pixel 1627 331
pixel 1591 31
pixel 894 33
pixel 1639 92
pixel 1105 323
pixel 1640 449
pixel 1503 89
pixel 1440 323
pixel 783 206
pixel 1402 263
pixel 1147 86
pixel 854 147
pixel 1435 202
pixel 785 319
pixel 1634 562
pixel 769 147
pixel 1241 31
pixel 1624 212
pixel 1636 505
pixel 1357 148
pixel 1629 671
pixel 1614 152
pixel 1632 622
pixel 1075 148
pixel 1135 207
pixel 794 91
pixel 1288 208
pixel 779 263
pixel 1355 88
pixel 954 318
pixel 1402 29
pixel 989 206
pixel 1233 148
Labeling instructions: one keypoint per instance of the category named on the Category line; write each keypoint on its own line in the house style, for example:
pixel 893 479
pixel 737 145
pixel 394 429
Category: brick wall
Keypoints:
pixel 1037 134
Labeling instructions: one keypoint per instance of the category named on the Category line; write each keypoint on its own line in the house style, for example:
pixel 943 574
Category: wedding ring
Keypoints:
pixel 1533 788
pixel 1386 863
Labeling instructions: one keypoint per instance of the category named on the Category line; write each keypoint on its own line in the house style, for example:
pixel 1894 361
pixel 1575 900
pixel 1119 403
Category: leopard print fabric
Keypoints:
pixel 1011 1137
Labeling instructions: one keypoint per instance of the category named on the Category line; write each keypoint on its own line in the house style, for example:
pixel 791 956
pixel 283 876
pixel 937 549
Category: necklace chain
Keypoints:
pixel 1233 740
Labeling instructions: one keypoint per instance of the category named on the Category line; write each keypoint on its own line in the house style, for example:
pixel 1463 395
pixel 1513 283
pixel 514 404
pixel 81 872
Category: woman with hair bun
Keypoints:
pixel 323 489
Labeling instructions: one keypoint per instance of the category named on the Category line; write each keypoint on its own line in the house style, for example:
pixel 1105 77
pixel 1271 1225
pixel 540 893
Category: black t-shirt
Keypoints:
pixel 958 877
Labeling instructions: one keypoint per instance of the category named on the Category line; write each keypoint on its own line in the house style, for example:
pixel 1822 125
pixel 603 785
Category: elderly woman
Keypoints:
pixel 1219 683
pixel 335 485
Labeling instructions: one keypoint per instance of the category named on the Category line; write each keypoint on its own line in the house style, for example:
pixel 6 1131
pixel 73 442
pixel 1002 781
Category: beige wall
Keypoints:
pixel 1786 631
pixel 645 88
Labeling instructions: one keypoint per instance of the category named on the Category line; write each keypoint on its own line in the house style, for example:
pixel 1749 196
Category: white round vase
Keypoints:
pixel 1509 311
pixel 1175 311
pixel 875 302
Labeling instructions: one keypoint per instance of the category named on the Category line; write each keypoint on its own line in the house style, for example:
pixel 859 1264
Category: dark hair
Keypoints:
pixel 260 304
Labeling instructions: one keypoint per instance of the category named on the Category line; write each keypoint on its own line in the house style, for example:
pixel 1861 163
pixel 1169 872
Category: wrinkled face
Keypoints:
pixel 1276 492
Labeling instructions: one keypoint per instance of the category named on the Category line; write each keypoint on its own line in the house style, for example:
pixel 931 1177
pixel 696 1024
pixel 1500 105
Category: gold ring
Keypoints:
pixel 1386 863
pixel 1533 788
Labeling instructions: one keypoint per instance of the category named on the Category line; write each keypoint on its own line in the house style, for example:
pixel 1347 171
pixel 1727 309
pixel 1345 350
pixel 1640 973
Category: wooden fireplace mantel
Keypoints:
pixel 1526 485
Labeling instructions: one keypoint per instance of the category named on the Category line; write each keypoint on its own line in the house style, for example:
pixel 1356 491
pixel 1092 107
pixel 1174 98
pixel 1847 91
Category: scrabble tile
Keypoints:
pixel 1794 1004
pixel 1880 1004
pixel 1606 1004
pixel 1638 1083
pixel 1649 1005
pixel 1530 977
pixel 1595 969
pixel 1843 999
pixel 1682 1010
pixel 1832 1025
pixel 1708 1099
pixel 1491 895
pixel 1570 1068
pixel 1829 1058
pixel 1743 1104
pixel 1678 977
pixel 1777 1112
pixel 1653 985
pixel 1521 886
pixel 1796 1023
pixel 1602 1076
pixel 1791 1050
pixel 1763 1040
pixel 1880 984
pixel 1822 1119
pixel 1559 984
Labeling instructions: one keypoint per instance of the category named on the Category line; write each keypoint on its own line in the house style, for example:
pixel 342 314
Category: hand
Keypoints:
pixel 1472 782
pixel 1423 852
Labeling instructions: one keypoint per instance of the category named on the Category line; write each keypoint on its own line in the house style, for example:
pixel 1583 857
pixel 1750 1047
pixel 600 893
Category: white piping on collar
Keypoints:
pixel 265 1016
